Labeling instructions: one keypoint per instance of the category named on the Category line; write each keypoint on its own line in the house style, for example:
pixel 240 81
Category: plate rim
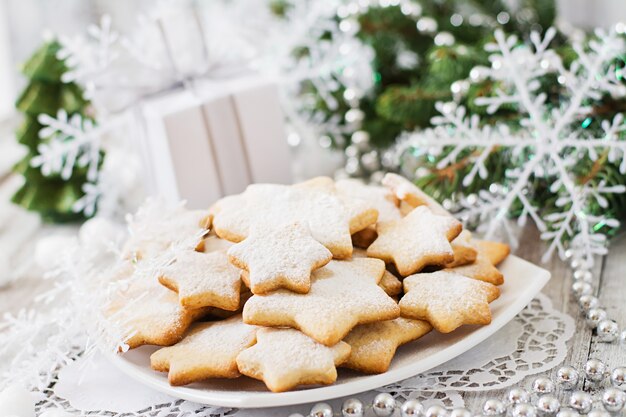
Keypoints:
pixel 325 393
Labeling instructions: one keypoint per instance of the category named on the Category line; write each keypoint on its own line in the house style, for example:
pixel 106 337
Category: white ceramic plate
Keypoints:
pixel 523 281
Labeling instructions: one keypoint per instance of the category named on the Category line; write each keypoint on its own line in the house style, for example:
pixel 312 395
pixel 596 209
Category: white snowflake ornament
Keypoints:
pixel 546 138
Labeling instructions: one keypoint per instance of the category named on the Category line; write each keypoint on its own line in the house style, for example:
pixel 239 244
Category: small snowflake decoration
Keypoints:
pixel 88 56
pixel 71 141
pixel 551 146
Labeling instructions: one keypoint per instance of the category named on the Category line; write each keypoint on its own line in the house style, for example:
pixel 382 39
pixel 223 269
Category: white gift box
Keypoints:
pixel 202 144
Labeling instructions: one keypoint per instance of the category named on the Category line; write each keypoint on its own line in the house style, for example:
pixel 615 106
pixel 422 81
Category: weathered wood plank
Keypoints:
pixel 532 249
pixel 612 295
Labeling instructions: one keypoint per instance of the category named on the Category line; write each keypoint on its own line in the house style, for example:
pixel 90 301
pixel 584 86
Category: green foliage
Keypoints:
pixel 51 196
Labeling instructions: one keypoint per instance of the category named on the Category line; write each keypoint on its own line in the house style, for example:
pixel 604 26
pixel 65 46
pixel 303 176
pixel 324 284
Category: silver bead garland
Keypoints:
pixel 596 317
pixel 545 400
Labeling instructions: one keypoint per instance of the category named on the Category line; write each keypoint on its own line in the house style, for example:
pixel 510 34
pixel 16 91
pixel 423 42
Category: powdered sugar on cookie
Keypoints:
pixel 447 300
pixel 348 292
pixel 419 239
pixel 279 258
pixel 286 358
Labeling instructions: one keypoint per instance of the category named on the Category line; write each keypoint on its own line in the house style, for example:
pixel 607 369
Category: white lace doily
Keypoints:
pixel 534 342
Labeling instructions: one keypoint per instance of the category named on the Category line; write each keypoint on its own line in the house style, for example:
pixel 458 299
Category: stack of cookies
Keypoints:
pixel 286 283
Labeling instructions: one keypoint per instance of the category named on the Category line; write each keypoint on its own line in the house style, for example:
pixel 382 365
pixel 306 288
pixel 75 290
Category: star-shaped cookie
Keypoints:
pixel 410 193
pixel 150 237
pixel 483 269
pixel 496 252
pixel 447 300
pixel 389 282
pixel 287 358
pixel 150 314
pixel 379 197
pixel 212 243
pixel 203 280
pixel 374 344
pixel 330 219
pixel 418 240
pixel 464 251
pixel 343 294
pixel 209 350
pixel 279 258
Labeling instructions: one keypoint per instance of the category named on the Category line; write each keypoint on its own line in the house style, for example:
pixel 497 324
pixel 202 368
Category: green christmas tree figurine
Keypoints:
pixel 51 196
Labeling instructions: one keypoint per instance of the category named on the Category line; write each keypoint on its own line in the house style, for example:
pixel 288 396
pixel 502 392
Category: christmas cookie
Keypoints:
pixel 151 235
pixel 150 314
pixel 379 197
pixel 464 251
pixel 496 252
pixel 203 280
pixel 212 243
pixel 343 294
pixel 483 269
pixel 417 240
pixel 287 358
pixel 209 350
pixel 411 194
pixel 389 283
pixel 447 300
pixel 315 205
pixel 374 344
pixel 279 258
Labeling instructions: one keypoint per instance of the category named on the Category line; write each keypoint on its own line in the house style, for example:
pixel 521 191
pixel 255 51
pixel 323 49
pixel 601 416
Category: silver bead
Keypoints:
pixel 568 254
pixel 427 24
pixel 567 377
pixel 493 407
pixel 622 338
pixel 543 385
pixel 412 408
pixel 351 151
pixel 524 410
pixel 361 139
pixel 296 415
pixel 518 396
pixel 595 370
pixel 460 412
pixel 576 263
pixel 608 331
pixel 583 275
pixel 444 39
pixel 598 413
pixel 587 302
pixel 354 115
pixel 460 88
pixel 613 400
pixel 352 408
pixel 567 413
pixel 595 316
pixel 384 405
pixel 548 405
pixel 618 377
pixel 580 288
pixel 321 410
pixel 436 411
pixel 581 401
pixel 370 160
pixel 377 177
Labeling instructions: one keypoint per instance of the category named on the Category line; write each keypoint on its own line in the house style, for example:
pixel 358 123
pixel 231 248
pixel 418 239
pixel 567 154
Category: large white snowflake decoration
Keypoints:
pixel 552 147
